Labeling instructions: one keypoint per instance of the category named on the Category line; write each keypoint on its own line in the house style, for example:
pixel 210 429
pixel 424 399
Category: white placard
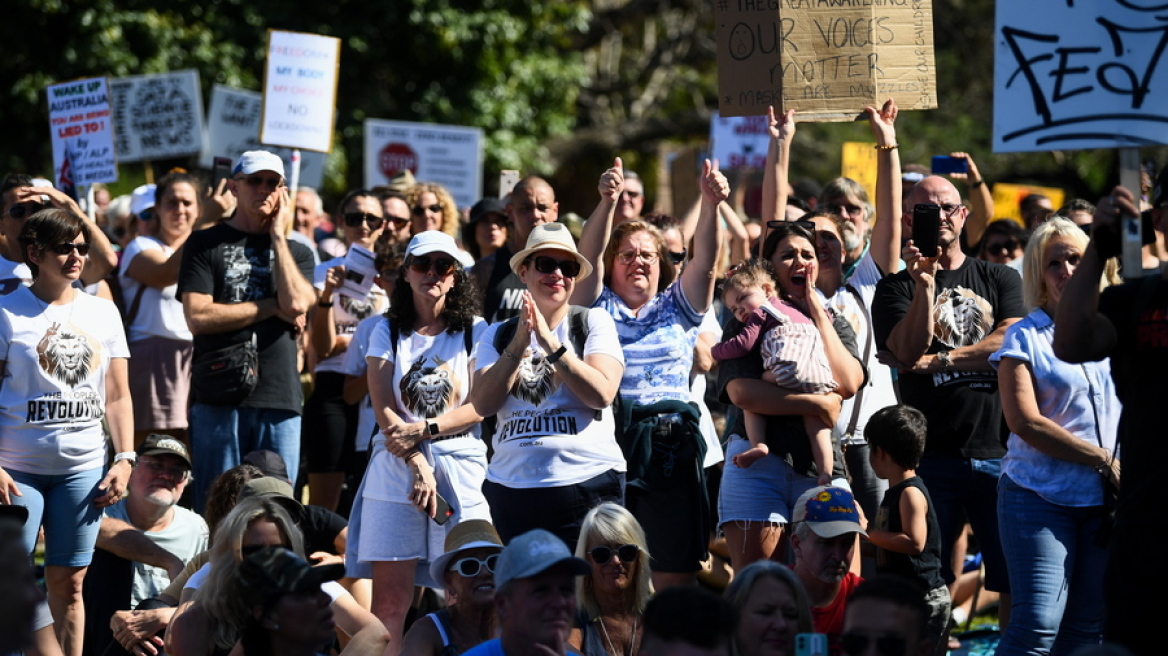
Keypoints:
pixel 300 90
pixel 360 270
pixel 81 127
pixel 233 126
pixel 449 155
pixel 737 141
pixel 157 116
pixel 1087 75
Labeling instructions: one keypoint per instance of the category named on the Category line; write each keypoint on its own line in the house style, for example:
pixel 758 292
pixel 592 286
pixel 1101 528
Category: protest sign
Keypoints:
pixel 859 164
pixel 450 155
pixel 827 59
pixel 233 126
pixel 157 116
pixel 1088 75
pixel 300 90
pixel 737 141
pixel 1007 198
pixel 82 132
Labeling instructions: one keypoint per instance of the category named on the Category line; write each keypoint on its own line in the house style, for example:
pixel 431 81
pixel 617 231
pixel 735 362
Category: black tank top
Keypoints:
pixel 925 568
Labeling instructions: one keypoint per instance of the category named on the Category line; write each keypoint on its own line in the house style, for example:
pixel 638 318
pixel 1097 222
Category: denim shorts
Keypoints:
pixel 764 492
pixel 63 503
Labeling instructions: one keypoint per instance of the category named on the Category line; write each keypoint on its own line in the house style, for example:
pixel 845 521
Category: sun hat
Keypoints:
pixel 275 489
pixel 142 199
pixel 432 241
pixel 828 511
pixel 277 571
pixel 533 553
pixel 471 534
pixel 254 161
pixel 551 236
pixel 156 444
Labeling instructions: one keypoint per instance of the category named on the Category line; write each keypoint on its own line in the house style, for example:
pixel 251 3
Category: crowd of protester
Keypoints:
pixel 501 428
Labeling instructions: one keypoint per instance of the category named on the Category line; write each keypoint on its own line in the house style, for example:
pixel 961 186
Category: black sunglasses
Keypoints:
pixel 627 553
pixel 470 567
pixel 25 210
pixel 854 644
pixel 1002 247
pixel 421 209
pixel 678 258
pixel 261 180
pixel 545 264
pixel 68 247
pixel 423 264
pixel 355 219
pixel 399 222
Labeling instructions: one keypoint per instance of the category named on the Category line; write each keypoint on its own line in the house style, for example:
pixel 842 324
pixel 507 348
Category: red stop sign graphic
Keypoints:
pixel 395 157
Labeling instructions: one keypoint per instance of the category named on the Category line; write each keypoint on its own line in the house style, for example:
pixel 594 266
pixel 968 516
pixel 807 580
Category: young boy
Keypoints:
pixel 906 533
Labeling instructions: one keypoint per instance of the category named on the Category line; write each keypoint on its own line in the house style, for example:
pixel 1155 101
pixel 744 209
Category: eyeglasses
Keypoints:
pixel 68 248
pixel 1002 247
pixel 24 210
pixel 157 468
pixel 627 553
pixel 628 257
pixel 854 644
pixel 263 181
pixel 419 210
pixel 399 222
pixel 441 265
pixel 355 219
pixel 631 194
pixel 545 264
pixel 948 209
pixel 146 215
pixel 470 567
pixel 678 258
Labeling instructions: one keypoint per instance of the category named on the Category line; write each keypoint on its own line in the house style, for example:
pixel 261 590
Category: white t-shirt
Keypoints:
pixel 431 376
pixel 185 537
pixel 160 313
pixel 355 365
pixel 547 437
pixel 52 395
pixel 13 275
pixel 347 312
pixel 697 388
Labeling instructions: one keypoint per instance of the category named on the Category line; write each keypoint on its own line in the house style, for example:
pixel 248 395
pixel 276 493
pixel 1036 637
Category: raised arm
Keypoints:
pixel 885 246
pixel 981 201
pixel 775 187
pixel 911 337
pixel 155 268
pixel 325 340
pixel 294 292
pixel 697 280
pixel 102 258
pixel 595 235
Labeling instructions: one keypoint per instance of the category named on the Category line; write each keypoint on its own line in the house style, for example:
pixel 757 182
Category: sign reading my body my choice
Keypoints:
pixel 79 119
pixel 1089 74
pixel 300 90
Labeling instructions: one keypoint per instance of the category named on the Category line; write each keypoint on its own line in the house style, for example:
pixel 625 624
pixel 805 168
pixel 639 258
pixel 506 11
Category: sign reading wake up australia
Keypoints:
pixel 1086 74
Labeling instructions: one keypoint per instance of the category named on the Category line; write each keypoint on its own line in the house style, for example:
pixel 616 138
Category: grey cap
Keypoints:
pixel 533 553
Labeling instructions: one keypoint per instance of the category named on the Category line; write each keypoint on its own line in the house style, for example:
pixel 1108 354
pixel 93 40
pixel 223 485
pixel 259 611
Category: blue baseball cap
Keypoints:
pixel 829 511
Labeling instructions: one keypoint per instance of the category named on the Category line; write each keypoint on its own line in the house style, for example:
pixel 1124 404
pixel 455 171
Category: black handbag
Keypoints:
pixel 228 375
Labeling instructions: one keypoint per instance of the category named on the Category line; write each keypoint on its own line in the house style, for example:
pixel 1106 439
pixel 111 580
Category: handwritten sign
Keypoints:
pixel 300 90
pixel 157 116
pixel 83 136
pixel 825 58
pixel 449 155
pixel 738 141
pixel 233 126
pixel 1089 74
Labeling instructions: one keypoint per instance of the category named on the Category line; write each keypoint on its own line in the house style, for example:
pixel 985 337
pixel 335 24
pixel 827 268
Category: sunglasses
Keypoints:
pixel 1002 247
pixel 441 265
pixel 24 210
pixel 250 549
pixel 627 553
pixel 419 210
pixel 545 264
pixel 854 644
pixel 399 222
pixel 67 248
pixel 470 567
pixel 263 181
pixel 355 219
pixel 678 258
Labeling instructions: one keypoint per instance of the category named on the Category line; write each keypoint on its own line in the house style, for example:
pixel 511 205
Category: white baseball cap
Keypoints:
pixel 254 161
pixel 432 241
pixel 142 199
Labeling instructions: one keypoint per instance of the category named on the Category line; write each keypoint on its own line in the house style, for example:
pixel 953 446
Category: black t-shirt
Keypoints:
pixel 233 266
pixel 503 296
pixel 785 434
pixel 321 527
pixel 1139 366
pixel 924 568
pixel 963 407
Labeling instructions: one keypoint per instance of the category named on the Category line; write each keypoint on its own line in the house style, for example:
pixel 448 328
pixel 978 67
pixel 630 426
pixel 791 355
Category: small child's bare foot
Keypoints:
pixel 750 456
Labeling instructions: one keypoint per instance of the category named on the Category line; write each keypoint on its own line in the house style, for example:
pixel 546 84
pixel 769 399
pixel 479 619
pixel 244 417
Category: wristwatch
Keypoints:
pixel 432 429
pixel 946 363
pixel 555 357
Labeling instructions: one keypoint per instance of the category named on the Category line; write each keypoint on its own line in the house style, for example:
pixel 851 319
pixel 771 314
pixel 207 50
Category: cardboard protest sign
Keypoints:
pixel 157 116
pixel 827 59
pixel 233 126
pixel 300 90
pixel 449 155
pixel 737 141
pixel 1007 198
pixel 1087 75
pixel 82 132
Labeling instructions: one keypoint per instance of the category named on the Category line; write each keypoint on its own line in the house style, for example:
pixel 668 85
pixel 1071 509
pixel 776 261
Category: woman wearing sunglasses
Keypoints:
pixel 658 315
pixel 467 572
pixel 428 458
pixel 330 424
pixel 62 370
pixel 613 597
pixel 432 208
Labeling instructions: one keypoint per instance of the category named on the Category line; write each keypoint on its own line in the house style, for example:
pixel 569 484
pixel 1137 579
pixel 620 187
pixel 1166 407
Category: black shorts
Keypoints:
pixel 329 426
pixel 561 510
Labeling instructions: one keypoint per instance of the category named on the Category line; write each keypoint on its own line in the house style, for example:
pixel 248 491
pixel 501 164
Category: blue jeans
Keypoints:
pixel 64 504
pixel 961 489
pixel 1056 573
pixel 222 435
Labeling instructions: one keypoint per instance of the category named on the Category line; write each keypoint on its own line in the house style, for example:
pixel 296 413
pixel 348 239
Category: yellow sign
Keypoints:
pixel 1008 196
pixel 859 164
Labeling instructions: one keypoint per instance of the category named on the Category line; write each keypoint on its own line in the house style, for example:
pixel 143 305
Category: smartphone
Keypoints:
pixel 946 164
pixel 925 228
pixel 445 512
pixel 219 170
pixel 811 644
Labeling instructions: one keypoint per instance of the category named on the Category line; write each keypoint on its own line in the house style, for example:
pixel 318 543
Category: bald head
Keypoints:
pixel 940 191
pixel 532 203
pixel 934 186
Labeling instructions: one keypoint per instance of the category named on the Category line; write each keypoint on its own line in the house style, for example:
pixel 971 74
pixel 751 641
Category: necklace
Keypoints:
pixel 45 307
pixel 632 638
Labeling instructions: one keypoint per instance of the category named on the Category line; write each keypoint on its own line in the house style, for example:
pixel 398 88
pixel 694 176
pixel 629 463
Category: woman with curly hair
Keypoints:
pixel 429 447
pixel 432 208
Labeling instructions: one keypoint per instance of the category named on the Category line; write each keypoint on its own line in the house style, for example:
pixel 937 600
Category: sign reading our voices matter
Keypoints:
pixel 300 90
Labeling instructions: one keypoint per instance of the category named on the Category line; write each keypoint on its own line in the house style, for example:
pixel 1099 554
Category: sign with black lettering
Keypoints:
pixel 157 116
pixel 82 133
pixel 300 90
pixel 1087 75
pixel 826 59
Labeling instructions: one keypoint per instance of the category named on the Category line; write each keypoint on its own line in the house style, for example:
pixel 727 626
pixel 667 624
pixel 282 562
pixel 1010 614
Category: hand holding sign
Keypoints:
pixel 882 122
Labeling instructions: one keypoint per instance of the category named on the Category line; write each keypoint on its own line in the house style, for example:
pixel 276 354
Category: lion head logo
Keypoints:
pixel 534 380
pixel 427 390
pixel 66 355
pixel 962 317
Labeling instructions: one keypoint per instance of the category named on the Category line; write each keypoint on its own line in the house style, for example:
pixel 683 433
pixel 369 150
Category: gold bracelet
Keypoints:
pixel 888 147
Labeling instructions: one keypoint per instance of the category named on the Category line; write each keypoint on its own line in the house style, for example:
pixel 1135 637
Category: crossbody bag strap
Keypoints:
pixel 859 398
